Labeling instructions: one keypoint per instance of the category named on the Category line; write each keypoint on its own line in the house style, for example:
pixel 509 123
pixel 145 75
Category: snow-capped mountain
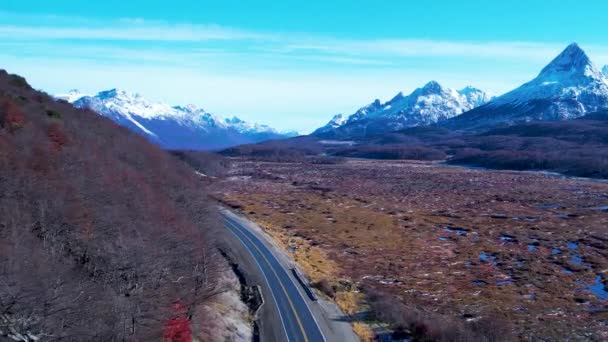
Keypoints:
pixel 173 127
pixel 337 121
pixel 605 70
pixel 427 105
pixel 71 95
pixel 567 88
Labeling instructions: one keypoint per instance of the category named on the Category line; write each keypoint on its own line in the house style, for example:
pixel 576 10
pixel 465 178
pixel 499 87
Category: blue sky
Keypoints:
pixel 290 64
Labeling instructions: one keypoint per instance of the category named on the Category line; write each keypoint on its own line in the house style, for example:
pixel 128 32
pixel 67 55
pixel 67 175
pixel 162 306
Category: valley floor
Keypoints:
pixel 527 249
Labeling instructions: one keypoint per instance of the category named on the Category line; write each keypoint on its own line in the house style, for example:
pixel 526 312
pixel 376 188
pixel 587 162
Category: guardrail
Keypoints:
pixel 304 284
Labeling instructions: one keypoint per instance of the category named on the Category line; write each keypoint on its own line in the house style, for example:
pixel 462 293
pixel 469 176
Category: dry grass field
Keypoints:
pixel 527 249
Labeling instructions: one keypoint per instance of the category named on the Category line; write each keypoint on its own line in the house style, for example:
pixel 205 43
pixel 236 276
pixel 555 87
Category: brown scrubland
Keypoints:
pixel 438 252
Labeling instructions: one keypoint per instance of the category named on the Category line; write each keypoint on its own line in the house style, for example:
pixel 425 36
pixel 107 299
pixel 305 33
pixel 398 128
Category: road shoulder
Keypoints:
pixel 329 317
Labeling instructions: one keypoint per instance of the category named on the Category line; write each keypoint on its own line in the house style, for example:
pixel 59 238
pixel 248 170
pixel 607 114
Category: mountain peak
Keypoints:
pixel 469 89
pixel 338 119
pixel 190 108
pixel 432 86
pixel 567 88
pixel 71 96
pixel 234 120
pixel 111 93
pixel 573 60
pixel 397 97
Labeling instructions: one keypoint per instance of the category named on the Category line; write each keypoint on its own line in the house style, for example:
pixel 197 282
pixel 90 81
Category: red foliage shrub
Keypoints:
pixel 177 329
pixel 11 116
pixel 57 136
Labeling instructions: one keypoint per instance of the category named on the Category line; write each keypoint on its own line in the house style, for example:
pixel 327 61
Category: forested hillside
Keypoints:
pixel 103 236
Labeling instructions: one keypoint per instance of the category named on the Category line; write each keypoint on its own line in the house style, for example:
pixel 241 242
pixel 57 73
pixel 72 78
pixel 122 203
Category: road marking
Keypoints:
pixel 293 308
pixel 229 218
pixel 276 303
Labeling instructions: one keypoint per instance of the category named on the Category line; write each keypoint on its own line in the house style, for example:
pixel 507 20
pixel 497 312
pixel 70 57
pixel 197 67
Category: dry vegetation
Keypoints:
pixel 572 147
pixel 103 236
pixel 445 253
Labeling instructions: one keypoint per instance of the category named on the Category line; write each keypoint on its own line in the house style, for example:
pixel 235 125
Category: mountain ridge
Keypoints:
pixel 429 104
pixel 173 127
pixel 567 88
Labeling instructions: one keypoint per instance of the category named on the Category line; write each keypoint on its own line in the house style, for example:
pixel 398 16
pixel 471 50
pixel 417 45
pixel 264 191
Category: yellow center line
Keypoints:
pixel 293 308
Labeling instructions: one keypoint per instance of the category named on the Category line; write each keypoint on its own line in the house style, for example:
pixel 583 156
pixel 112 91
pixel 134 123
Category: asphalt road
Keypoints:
pixel 298 321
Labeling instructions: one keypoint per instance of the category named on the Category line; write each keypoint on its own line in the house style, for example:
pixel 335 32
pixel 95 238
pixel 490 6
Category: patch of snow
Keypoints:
pixel 337 121
pixel 71 95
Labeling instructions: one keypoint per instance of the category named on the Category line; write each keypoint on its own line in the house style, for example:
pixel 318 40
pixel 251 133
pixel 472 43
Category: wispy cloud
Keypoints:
pixel 138 29
pixel 435 48
pixel 295 80
pixel 140 32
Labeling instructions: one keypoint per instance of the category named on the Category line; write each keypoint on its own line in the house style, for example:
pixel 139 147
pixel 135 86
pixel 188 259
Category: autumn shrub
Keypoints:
pixel 405 316
pixel 57 136
pixel 325 287
pixel 392 151
pixel 11 115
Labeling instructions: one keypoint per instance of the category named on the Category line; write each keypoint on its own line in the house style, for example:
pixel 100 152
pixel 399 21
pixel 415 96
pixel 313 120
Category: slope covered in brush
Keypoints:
pixel 103 236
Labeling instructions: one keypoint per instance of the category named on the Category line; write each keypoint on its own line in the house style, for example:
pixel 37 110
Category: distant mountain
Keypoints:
pixel 567 88
pixel 430 104
pixel 337 121
pixel 70 96
pixel 173 127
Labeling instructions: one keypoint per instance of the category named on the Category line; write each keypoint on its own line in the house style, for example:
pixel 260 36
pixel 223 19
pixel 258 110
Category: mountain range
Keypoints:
pixel 429 104
pixel 173 127
pixel 567 88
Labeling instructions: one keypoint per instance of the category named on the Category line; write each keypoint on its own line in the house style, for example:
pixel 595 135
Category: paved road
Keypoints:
pixel 298 322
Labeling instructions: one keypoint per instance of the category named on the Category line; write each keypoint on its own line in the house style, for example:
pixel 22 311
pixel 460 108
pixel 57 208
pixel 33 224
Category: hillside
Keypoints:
pixel 103 236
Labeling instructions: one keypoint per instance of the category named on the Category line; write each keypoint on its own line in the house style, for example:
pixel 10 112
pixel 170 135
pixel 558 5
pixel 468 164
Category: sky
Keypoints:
pixel 290 64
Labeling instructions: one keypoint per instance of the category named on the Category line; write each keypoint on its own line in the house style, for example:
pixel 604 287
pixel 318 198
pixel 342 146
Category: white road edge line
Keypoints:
pixel 309 309
pixel 300 293
pixel 274 299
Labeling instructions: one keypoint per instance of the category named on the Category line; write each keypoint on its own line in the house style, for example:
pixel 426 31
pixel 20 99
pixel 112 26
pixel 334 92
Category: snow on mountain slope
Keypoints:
pixel 605 70
pixel 427 105
pixel 173 127
pixel 567 88
pixel 70 96
pixel 337 121
pixel 430 104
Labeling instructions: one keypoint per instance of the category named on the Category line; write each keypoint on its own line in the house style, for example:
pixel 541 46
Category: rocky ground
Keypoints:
pixel 225 313
pixel 530 248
